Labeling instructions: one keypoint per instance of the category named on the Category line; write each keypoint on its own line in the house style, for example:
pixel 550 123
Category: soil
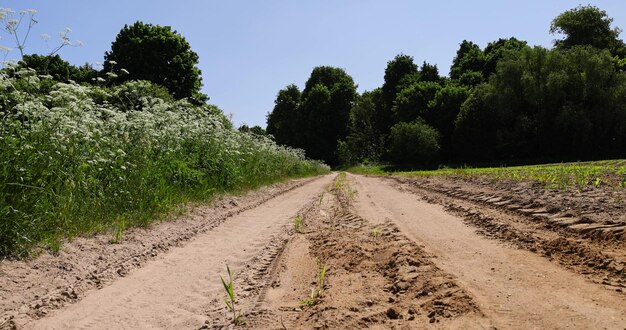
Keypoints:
pixel 400 253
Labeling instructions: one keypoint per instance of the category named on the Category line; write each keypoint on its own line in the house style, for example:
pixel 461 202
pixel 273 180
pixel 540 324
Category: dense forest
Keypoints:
pixel 506 102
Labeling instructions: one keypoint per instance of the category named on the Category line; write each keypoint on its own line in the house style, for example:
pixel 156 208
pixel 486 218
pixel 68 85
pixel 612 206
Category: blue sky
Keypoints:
pixel 250 49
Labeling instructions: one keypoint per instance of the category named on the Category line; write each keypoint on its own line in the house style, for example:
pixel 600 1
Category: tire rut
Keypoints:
pixel 528 227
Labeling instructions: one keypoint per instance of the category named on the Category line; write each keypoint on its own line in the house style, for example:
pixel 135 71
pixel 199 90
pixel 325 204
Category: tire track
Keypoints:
pixel 177 289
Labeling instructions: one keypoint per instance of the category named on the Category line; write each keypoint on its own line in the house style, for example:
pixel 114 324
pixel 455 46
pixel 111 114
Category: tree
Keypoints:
pixel 414 144
pixel 282 122
pixel 256 130
pixel 444 109
pixel 469 58
pixel 364 142
pixel 586 25
pixel 429 72
pixel 328 96
pixel 397 71
pixel 412 102
pixel 496 51
pixel 157 54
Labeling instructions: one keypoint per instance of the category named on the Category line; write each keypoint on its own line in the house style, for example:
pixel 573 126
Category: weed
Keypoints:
pixel 229 300
pixel 119 231
pixel 377 231
pixel 318 291
pixel 298 224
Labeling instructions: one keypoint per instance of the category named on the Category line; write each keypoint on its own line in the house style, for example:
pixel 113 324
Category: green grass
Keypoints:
pixel 611 173
pixel 73 163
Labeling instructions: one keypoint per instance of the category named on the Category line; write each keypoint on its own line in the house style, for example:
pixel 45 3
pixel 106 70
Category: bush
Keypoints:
pixel 414 143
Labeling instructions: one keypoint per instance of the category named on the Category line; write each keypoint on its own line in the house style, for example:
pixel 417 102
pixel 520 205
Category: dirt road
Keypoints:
pixel 176 290
pixel 394 258
pixel 514 288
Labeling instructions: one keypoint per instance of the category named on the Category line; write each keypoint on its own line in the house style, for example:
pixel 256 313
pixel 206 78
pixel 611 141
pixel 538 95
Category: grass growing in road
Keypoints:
pixel 298 224
pixel 562 176
pixel 318 291
pixel 230 300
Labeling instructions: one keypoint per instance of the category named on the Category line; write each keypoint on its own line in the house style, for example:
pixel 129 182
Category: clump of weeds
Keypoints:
pixel 298 224
pixel 318 291
pixel 229 300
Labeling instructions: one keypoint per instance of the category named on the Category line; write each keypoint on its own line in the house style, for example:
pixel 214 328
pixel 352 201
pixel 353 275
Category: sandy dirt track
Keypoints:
pixel 514 288
pixel 397 258
pixel 176 290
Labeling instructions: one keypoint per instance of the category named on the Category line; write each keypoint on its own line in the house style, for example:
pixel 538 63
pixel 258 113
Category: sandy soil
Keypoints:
pixel 400 253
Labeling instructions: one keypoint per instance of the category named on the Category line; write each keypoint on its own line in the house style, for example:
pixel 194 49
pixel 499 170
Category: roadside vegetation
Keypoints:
pixel 108 153
pixel 564 176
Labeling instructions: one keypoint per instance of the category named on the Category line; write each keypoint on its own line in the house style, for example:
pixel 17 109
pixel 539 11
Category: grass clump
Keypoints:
pixel 318 291
pixel 230 300
pixel 75 162
pixel 298 224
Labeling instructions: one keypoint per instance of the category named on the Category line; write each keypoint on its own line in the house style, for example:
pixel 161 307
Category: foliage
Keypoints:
pixel 414 143
pixel 546 103
pixel 364 142
pixel 469 58
pixel 412 102
pixel 562 176
pixel 298 224
pixel 586 26
pixel 318 118
pixel 76 162
pixel 157 54
pixel 318 291
pixel 282 122
pixel 397 71
pixel 230 300
pixel 256 130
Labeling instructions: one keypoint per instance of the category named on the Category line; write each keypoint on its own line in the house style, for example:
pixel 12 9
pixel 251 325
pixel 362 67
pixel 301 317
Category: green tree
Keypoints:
pixel 397 71
pixel 444 109
pixel 496 51
pixel 469 58
pixel 157 54
pixel 586 25
pixel 429 72
pixel 412 102
pixel 328 96
pixel 414 144
pixel 282 122
pixel 364 142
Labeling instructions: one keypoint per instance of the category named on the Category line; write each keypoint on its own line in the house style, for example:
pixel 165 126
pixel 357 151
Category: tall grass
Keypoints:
pixel 75 160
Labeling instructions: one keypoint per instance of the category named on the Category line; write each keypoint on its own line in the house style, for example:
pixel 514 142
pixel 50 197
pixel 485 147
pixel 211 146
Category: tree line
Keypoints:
pixel 508 101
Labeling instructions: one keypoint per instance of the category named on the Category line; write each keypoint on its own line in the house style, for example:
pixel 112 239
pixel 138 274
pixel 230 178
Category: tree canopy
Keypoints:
pixel 586 25
pixel 157 54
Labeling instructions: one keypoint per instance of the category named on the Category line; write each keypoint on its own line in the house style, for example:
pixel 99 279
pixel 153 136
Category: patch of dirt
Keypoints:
pixel 31 289
pixel 376 277
pixel 555 224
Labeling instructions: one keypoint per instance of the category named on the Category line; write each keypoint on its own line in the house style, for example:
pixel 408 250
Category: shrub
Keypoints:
pixel 414 143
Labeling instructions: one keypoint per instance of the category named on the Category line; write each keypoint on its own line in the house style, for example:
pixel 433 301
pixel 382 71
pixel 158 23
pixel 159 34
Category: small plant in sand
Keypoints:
pixel 377 231
pixel 229 300
pixel 119 231
pixel 298 224
pixel 318 291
